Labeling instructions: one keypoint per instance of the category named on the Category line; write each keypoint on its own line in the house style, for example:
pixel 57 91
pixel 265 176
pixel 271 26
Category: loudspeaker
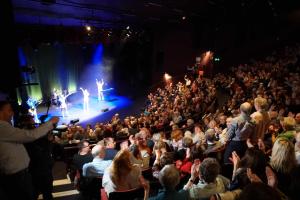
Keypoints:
pixel 105 110
pixel 74 121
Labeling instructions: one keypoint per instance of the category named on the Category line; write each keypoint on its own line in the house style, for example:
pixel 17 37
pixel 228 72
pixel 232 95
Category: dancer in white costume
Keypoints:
pixel 64 104
pixel 100 89
pixel 33 103
pixel 86 95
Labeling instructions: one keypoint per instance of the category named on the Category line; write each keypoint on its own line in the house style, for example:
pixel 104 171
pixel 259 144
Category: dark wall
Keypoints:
pixel 10 78
pixel 174 50
pixel 235 40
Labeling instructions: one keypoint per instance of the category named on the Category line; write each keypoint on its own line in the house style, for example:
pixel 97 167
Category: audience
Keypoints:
pixel 98 165
pixel 169 178
pixel 259 191
pixel 261 119
pixel 122 174
pixel 189 140
pixel 84 155
pixel 283 162
pixel 210 180
pixel 110 151
pixel 240 130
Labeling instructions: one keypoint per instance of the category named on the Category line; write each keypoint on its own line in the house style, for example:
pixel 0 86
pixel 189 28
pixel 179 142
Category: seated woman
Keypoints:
pixel 283 162
pixel 136 157
pixel 122 174
pixel 140 140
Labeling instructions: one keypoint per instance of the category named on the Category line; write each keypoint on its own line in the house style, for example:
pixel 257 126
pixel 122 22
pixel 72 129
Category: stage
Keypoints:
pixel 99 111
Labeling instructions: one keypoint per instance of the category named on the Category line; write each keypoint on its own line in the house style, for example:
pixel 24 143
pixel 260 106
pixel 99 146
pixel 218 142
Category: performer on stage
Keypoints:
pixel 85 99
pixel 64 104
pixel 33 103
pixel 100 89
pixel 55 97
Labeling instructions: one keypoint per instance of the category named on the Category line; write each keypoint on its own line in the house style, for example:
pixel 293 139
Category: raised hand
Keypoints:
pixel 249 144
pixel 195 170
pixel 131 139
pixel 158 153
pixel 261 145
pixel 253 177
pixel 235 159
pixel 124 145
pixel 271 177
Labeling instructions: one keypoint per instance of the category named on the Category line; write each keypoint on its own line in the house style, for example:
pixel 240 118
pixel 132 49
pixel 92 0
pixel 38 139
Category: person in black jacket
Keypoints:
pixel 41 161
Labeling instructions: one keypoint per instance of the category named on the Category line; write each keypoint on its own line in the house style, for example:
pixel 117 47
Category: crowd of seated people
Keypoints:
pixel 198 149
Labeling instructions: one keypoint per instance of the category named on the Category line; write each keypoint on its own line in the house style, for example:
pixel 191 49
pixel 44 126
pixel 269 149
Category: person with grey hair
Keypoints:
pixel 98 165
pixel 213 145
pixel 241 128
pixel 210 181
pixel 169 178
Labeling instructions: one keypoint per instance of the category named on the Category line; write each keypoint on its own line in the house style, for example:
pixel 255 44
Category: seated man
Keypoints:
pixel 210 181
pixel 110 151
pixel 212 144
pixel 169 178
pixel 84 155
pixel 98 165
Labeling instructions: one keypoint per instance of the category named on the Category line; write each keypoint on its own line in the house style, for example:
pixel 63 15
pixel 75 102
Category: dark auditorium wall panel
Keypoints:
pixel 173 51
pixel 10 75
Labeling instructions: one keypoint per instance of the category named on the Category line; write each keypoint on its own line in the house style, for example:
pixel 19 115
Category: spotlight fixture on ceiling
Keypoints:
pixel 88 28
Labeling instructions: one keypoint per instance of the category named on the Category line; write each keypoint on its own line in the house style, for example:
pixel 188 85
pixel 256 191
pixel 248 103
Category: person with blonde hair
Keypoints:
pixel 283 162
pixel 288 124
pixel 122 175
pixel 261 119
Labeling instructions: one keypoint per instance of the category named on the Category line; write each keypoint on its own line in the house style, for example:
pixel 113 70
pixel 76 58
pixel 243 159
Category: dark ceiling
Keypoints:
pixel 104 13
pixel 116 13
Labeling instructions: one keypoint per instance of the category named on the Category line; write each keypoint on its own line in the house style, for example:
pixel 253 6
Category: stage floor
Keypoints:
pixel 98 111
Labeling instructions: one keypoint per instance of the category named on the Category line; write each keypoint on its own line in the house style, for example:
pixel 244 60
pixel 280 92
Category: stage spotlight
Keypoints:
pixel 167 77
pixel 88 28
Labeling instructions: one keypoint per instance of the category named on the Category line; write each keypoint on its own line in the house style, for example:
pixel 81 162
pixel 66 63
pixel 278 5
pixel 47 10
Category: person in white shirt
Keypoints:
pixel 98 165
pixel 14 160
